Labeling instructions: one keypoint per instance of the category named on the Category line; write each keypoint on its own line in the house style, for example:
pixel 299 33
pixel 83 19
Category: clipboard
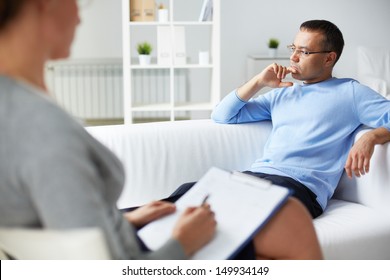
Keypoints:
pixel 242 204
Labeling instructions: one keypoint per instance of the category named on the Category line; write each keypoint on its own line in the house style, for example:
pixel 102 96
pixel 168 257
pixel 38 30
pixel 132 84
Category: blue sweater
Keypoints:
pixel 313 128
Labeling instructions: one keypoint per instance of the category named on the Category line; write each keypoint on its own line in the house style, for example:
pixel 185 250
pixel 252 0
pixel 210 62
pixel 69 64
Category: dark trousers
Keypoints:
pixel 299 191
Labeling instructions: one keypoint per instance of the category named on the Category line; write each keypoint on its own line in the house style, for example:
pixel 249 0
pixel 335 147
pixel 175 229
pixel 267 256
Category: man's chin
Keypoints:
pixel 297 76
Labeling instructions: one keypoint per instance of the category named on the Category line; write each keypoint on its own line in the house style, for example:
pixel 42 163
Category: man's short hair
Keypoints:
pixel 9 9
pixel 333 38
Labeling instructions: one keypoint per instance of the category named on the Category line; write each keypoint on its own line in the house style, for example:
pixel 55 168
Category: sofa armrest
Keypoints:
pixel 42 244
pixel 158 157
pixel 372 189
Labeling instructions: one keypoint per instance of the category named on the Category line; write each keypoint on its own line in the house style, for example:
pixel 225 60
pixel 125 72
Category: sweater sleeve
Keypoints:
pixel 234 110
pixel 372 108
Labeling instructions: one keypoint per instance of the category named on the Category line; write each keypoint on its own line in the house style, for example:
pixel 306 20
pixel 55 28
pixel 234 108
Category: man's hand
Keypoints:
pixel 272 76
pixel 149 212
pixel 358 161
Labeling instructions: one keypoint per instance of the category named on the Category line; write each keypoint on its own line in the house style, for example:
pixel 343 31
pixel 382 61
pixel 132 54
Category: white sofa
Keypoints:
pixel 33 244
pixel 158 157
pixel 374 68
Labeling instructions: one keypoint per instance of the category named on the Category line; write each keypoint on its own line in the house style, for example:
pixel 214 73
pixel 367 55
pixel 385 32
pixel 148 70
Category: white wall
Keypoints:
pixel 247 25
pixel 99 33
pixel 362 23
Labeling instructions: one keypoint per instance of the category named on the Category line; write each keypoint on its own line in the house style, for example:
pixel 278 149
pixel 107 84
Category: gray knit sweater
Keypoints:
pixel 54 175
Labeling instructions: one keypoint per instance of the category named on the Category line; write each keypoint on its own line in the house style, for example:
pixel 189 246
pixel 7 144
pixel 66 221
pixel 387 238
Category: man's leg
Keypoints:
pixel 289 234
pixel 179 192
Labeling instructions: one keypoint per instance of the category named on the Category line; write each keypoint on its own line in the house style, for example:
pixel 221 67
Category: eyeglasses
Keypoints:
pixel 302 53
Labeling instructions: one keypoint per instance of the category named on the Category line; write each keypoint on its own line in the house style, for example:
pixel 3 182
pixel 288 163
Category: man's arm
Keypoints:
pixel 234 108
pixel 358 161
pixel 271 76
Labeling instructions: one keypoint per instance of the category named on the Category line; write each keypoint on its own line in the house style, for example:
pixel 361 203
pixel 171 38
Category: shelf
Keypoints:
pixel 196 23
pixel 160 107
pixel 172 90
pixel 152 107
pixel 192 66
pixel 156 66
pixel 194 107
pixel 156 23
pixel 150 66
pixel 267 57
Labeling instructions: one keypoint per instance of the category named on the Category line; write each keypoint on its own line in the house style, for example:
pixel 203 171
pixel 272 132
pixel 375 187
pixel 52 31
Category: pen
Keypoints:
pixel 205 199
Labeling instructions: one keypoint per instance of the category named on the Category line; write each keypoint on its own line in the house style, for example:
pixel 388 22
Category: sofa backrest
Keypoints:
pixel 374 68
pixel 158 157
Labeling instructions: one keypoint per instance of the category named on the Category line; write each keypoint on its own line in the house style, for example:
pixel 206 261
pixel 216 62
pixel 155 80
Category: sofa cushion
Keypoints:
pixel 162 156
pixel 349 230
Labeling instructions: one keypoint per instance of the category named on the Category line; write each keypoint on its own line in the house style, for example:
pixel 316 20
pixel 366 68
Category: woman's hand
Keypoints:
pixel 149 212
pixel 195 228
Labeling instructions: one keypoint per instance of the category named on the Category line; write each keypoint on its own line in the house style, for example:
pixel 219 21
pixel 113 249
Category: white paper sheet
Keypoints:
pixel 242 205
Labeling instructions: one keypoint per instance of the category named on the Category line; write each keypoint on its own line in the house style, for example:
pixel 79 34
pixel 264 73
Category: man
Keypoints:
pixel 314 122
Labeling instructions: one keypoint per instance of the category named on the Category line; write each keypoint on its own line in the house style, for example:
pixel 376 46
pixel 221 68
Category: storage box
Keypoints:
pixel 142 10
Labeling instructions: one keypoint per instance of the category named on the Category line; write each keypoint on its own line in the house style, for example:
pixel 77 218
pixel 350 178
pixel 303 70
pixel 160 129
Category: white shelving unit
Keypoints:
pixel 172 105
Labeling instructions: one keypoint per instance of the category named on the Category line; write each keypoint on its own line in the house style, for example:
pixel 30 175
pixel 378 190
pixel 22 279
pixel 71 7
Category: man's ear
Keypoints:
pixel 331 58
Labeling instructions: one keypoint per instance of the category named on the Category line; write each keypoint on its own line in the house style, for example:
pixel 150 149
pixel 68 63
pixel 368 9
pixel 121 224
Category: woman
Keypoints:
pixel 53 174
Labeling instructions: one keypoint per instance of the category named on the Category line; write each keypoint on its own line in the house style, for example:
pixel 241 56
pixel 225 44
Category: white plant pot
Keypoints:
pixel 163 15
pixel 145 59
pixel 272 52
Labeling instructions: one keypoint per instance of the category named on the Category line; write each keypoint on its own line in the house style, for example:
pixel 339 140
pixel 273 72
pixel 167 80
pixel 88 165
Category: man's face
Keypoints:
pixel 310 68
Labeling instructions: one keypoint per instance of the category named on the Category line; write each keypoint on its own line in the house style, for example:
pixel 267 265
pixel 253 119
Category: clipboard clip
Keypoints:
pixel 250 180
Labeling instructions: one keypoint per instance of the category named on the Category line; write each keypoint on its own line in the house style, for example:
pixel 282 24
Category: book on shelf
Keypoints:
pixel 206 13
pixel 171 48
pixel 164 52
pixel 179 47
pixel 142 10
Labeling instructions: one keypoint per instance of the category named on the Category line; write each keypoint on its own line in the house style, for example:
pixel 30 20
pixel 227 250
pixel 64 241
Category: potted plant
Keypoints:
pixel 162 13
pixel 144 49
pixel 273 45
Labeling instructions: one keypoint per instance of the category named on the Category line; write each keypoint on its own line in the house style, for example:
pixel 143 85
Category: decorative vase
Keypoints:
pixel 272 52
pixel 163 15
pixel 144 59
